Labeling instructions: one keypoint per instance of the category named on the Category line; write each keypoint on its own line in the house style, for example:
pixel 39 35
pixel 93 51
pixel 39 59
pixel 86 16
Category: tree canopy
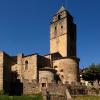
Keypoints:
pixel 91 73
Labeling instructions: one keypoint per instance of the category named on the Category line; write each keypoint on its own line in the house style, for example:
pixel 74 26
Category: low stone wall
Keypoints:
pixel 52 92
pixel 52 96
pixel 30 88
pixel 93 91
pixel 60 91
pixel 77 90
pixel 83 90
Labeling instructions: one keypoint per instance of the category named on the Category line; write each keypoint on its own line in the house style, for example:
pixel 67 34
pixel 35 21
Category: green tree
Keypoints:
pixel 91 73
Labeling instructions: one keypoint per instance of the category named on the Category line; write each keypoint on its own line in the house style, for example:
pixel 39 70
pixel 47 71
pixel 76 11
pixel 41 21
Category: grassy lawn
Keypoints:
pixel 86 98
pixel 21 98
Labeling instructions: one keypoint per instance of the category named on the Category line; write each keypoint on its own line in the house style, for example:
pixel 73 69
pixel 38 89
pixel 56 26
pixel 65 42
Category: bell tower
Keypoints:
pixel 63 34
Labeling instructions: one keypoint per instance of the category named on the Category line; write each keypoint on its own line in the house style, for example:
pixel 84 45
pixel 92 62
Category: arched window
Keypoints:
pixel 26 65
pixel 59 17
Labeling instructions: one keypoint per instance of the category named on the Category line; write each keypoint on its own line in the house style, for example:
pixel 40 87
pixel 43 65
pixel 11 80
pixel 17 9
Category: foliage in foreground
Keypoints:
pixel 21 98
pixel 86 98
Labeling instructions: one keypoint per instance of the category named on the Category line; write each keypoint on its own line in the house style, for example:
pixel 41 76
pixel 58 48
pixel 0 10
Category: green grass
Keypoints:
pixel 21 98
pixel 86 98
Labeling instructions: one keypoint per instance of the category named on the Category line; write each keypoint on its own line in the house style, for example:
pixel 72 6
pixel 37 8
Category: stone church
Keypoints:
pixel 61 64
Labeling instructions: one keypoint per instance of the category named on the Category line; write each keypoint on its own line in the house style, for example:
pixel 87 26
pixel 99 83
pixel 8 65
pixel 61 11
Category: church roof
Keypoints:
pixel 61 9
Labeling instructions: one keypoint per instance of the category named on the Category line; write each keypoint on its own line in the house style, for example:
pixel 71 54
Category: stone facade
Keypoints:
pixel 67 69
pixel 63 34
pixel 61 64
pixel 1 71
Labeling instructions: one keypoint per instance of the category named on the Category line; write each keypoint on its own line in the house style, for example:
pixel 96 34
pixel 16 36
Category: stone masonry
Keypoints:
pixel 19 73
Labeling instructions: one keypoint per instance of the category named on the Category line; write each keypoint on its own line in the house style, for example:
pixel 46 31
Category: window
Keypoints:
pixel 55 31
pixel 61 27
pixel 26 65
pixel 43 84
pixel 59 17
pixel 55 28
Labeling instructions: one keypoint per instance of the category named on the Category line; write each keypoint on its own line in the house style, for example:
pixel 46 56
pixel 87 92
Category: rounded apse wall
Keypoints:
pixel 68 69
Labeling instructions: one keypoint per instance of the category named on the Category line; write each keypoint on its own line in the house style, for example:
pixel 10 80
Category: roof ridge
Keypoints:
pixel 61 9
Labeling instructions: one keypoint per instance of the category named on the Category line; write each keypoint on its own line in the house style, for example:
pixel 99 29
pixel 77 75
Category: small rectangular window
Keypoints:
pixel 43 84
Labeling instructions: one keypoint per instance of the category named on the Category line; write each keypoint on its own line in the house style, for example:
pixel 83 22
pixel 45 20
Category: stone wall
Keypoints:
pixel 58 34
pixel 7 72
pixel 77 90
pixel 46 75
pixel 53 91
pixel 30 72
pixel 67 69
pixel 1 70
pixel 58 91
pixel 30 88
pixel 54 88
pixel 63 34
pixel 34 61
pixel 59 44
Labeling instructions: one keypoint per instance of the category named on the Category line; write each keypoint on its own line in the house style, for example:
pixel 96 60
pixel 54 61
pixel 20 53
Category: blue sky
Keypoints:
pixel 24 26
